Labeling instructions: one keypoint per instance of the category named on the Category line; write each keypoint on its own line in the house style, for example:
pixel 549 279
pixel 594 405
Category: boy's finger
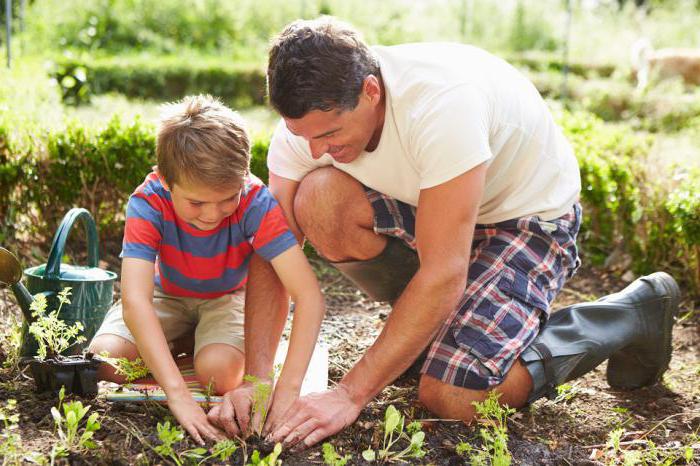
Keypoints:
pixel 213 415
pixel 195 434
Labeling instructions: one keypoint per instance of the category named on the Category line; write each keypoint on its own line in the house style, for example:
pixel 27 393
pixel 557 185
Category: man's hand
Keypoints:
pixel 316 416
pixel 191 416
pixel 282 400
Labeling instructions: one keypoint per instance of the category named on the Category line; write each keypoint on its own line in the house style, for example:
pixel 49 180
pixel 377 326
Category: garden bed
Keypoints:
pixel 571 431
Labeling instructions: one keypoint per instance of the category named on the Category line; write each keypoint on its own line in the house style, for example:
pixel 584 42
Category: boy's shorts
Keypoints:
pixel 516 269
pixel 218 320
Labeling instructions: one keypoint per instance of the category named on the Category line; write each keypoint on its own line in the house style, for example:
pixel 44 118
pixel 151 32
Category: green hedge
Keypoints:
pixel 628 208
pixel 161 78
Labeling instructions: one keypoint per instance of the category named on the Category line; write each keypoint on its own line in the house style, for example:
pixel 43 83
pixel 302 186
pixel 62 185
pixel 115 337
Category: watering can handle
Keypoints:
pixel 53 266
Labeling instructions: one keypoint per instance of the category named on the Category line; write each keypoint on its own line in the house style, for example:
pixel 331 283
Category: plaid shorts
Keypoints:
pixel 516 269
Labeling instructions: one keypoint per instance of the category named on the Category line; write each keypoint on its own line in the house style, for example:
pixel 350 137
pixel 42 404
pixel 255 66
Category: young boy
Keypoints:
pixel 191 229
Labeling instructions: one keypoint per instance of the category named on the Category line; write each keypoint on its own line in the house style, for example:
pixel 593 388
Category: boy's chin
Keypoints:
pixel 205 226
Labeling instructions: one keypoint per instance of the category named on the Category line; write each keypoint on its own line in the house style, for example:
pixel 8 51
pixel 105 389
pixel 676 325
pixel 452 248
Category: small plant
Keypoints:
pixel 222 451
pixel 10 442
pixel 11 343
pixel 393 432
pixel 331 457
pixel 171 435
pixel 52 334
pixel 261 396
pixel 68 426
pixel 269 460
pixel 566 392
pixel 130 369
pixel 494 434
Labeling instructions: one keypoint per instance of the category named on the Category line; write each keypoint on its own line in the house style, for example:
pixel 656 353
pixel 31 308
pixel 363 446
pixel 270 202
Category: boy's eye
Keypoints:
pixel 195 204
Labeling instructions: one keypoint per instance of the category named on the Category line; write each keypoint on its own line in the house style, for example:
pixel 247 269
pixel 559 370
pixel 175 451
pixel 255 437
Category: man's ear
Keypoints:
pixel 372 88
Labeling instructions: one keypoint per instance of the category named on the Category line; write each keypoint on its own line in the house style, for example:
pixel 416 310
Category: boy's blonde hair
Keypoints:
pixel 201 140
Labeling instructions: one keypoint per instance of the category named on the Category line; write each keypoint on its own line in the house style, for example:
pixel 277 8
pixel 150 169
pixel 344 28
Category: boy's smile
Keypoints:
pixel 204 206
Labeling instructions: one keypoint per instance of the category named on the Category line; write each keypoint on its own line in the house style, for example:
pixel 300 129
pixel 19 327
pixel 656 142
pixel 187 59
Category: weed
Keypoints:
pixel 52 334
pixel 171 435
pixel 261 395
pixel 332 458
pixel 494 434
pixel 566 392
pixel 621 419
pixel 222 450
pixel 394 424
pixel 269 460
pixel 68 426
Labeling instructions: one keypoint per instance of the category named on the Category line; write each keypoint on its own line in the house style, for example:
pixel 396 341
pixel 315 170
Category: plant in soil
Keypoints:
pixel 170 436
pixel 10 442
pixel 332 458
pixel 269 460
pixel 261 396
pixel 493 432
pixel 73 434
pixel 394 431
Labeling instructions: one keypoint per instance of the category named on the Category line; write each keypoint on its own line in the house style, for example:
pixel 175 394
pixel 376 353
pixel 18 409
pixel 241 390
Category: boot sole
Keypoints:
pixel 619 363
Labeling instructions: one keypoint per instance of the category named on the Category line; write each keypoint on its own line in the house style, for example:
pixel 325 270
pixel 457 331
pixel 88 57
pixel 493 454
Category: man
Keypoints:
pixel 434 177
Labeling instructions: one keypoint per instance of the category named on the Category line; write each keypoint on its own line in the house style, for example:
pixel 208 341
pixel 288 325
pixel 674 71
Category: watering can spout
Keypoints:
pixel 11 275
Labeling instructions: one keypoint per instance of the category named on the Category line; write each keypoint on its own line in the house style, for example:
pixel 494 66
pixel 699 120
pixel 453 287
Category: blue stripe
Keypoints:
pixel 257 208
pixel 277 246
pixel 229 279
pixel 139 207
pixel 203 246
pixel 139 251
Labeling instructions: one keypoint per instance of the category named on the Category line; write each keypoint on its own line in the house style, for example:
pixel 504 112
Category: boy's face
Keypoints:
pixel 204 206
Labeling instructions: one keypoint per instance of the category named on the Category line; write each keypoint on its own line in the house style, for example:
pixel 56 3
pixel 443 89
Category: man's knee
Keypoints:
pixel 333 212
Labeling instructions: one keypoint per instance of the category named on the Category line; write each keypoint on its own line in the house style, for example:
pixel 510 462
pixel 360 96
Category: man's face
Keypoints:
pixel 343 134
pixel 204 206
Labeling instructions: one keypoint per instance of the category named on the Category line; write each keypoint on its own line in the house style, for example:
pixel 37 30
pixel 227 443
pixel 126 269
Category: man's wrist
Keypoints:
pixel 357 397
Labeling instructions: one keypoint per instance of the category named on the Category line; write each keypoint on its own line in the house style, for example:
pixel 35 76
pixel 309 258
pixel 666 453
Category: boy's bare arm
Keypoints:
pixel 140 316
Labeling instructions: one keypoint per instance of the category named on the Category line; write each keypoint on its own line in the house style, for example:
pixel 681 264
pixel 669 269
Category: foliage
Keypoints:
pixel 261 396
pixel 269 460
pixel 130 369
pixel 10 442
pixel 331 457
pixel 160 78
pixel 10 342
pixel 52 334
pixel 394 431
pixel 70 436
pixel 493 433
pixel 222 451
pixel 169 436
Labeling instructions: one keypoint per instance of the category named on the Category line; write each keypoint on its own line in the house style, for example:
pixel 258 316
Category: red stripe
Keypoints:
pixel 174 290
pixel 204 268
pixel 141 231
pixel 271 226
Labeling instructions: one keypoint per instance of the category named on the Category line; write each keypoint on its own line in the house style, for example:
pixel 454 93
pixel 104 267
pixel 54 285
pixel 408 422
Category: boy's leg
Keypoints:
pixel 219 342
pixel 116 339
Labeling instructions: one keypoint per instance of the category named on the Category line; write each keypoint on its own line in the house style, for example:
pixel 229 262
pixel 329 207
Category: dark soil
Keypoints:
pixel 573 431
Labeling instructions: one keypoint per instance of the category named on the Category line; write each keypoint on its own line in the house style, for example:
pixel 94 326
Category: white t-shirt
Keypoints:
pixel 450 107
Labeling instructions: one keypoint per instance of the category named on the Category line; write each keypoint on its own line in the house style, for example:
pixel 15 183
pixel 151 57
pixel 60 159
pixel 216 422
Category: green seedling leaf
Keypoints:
pixel 369 455
pixel 392 418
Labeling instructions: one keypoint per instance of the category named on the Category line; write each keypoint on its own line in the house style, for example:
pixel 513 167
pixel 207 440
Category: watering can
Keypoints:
pixel 91 293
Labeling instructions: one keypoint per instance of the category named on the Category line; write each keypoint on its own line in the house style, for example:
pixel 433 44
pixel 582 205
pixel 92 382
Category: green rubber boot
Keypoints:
pixel 633 328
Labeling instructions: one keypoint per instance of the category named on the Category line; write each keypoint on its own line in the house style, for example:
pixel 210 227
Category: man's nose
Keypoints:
pixel 317 148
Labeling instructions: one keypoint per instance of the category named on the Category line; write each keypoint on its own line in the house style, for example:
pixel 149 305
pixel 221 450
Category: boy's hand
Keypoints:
pixel 233 414
pixel 282 400
pixel 191 416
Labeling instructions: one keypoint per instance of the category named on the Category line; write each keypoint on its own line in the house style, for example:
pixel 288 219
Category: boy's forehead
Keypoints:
pixel 198 190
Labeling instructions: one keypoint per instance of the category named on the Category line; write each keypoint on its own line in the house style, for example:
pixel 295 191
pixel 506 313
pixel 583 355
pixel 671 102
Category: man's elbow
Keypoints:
pixel 448 280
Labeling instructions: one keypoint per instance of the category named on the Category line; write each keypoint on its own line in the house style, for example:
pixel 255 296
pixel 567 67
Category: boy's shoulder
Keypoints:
pixel 152 185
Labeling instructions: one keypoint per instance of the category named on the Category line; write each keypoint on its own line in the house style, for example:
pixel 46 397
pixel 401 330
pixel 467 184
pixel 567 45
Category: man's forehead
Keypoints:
pixel 315 123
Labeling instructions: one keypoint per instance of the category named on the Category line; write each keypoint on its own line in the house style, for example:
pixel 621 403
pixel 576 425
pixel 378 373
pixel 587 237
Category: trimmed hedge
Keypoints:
pixel 161 78
pixel 627 208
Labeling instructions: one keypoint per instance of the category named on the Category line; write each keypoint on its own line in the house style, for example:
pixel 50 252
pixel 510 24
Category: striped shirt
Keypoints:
pixel 196 263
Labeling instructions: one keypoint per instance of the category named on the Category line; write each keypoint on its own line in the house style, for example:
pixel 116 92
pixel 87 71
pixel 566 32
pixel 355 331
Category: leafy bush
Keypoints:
pixel 161 78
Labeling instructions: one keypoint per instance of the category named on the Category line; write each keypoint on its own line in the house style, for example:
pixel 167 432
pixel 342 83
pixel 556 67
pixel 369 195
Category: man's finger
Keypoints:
pixel 213 415
pixel 300 433
pixel 290 425
pixel 313 438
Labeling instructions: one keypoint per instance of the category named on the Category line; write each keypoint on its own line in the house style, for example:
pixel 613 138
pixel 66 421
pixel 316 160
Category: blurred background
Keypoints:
pixel 83 80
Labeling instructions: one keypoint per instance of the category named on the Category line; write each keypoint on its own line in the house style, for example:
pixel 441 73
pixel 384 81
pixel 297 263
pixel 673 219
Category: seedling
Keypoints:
pixel 222 451
pixel 68 426
pixel 269 460
pixel 393 432
pixel 261 396
pixel 494 434
pixel 10 442
pixel 332 458
pixel 52 334
pixel 171 435
pixel 11 343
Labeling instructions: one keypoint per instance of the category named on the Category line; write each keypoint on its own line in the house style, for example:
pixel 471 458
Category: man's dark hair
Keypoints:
pixel 318 65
